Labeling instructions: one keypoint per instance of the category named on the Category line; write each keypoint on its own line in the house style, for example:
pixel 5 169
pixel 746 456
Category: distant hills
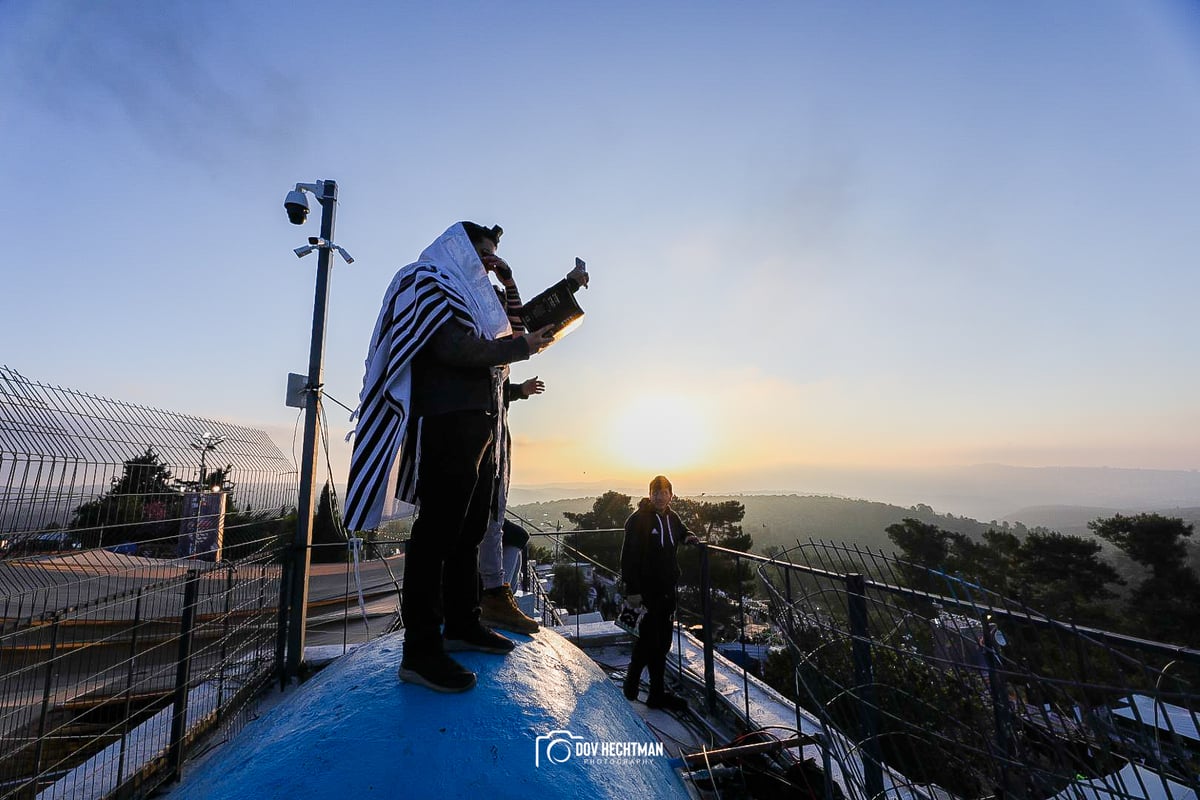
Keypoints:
pixel 983 492
pixel 1074 519
pixel 781 520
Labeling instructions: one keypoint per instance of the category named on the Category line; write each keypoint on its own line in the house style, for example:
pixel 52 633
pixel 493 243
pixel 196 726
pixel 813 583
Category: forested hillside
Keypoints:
pixel 782 519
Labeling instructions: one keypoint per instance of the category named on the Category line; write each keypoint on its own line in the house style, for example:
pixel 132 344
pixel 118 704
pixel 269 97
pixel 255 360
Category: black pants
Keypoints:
pixel 653 642
pixel 456 475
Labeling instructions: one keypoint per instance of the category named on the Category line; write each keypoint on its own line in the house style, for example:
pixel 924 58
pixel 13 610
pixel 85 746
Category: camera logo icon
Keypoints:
pixel 556 747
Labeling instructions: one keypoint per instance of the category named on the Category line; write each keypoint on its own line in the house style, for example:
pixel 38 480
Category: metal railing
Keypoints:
pixel 920 683
pixel 105 697
pixel 127 634
pixel 957 687
pixel 140 580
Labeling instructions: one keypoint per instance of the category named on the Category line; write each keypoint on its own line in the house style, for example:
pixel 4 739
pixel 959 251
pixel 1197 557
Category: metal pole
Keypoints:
pixel 229 584
pixel 737 574
pixel 864 679
pixel 183 673
pixel 129 672
pixel 281 638
pixel 999 694
pixel 710 681
pixel 51 666
pixel 301 555
pixel 257 626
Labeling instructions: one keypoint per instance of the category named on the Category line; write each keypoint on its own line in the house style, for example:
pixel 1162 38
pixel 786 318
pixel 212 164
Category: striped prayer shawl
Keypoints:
pixel 447 282
pixel 421 304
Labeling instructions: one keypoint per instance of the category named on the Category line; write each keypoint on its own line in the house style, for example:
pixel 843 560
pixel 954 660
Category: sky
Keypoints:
pixel 820 235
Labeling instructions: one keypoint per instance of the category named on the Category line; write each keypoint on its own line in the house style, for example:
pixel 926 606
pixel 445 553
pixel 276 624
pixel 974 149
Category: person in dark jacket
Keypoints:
pixel 455 411
pixel 650 572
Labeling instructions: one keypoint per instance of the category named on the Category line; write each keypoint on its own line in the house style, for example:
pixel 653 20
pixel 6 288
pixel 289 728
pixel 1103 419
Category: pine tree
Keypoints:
pixel 143 505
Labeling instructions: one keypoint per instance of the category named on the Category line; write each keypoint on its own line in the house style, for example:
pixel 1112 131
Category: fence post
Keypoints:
pixel 285 597
pixel 229 585
pixel 999 692
pixel 791 633
pixel 710 683
pixel 864 681
pixel 737 573
pixel 133 642
pixel 46 691
pixel 787 593
pixel 183 669
pixel 259 617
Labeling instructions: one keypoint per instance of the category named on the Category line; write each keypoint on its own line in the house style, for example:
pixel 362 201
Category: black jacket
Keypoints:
pixel 455 371
pixel 648 563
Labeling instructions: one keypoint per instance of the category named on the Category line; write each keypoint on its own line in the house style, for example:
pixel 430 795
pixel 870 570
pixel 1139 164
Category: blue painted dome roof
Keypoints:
pixel 543 721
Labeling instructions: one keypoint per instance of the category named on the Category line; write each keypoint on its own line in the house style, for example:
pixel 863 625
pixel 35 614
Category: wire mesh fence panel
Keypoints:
pixel 89 691
pixel 140 570
pixel 80 471
pixel 935 681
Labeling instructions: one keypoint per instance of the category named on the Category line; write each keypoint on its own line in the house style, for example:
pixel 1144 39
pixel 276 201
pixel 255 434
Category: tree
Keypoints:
pixel 716 523
pixel 729 577
pixel 1166 604
pixel 569 590
pixel 610 510
pixel 1152 540
pixel 599 542
pixel 542 555
pixel 143 505
pixel 998 559
pixel 924 547
pixel 1064 576
pixel 1057 574
pixel 329 542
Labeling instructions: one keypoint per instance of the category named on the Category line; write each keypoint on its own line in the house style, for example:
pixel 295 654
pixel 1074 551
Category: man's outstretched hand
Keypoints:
pixel 531 387
pixel 579 275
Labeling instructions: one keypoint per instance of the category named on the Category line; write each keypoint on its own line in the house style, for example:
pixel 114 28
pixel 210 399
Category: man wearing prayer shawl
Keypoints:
pixel 428 434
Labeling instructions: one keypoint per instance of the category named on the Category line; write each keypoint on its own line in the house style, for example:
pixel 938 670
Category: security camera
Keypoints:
pixel 297 207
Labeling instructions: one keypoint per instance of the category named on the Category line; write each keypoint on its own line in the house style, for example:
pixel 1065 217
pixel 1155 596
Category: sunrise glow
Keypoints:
pixel 658 432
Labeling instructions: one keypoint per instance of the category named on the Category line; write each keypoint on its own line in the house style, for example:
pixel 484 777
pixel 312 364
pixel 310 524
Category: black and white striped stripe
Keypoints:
pixel 420 302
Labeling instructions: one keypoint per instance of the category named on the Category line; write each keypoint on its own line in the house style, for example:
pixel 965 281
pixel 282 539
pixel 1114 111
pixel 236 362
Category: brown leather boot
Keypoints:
pixel 498 608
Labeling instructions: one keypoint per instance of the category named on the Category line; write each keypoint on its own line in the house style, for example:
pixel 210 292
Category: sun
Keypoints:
pixel 659 432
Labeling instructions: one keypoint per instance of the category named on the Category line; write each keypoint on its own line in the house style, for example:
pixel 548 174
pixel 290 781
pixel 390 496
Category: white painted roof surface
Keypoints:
pixel 1131 782
pixel 1166 716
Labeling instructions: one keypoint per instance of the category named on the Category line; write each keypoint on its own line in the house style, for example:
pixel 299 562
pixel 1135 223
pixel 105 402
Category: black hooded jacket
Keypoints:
pixel 648 564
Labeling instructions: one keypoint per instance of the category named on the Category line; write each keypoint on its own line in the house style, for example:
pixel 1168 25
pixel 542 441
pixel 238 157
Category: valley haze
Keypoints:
pixel 983 492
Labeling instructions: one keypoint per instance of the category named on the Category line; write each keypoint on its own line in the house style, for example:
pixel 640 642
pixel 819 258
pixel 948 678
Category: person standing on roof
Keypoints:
pixel 650 571
pixel 429 426
pixel 499 552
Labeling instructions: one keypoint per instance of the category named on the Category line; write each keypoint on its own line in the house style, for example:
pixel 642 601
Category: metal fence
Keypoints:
pixel 78 470
pixel 140 579
pixel 923 685
pixel 933 684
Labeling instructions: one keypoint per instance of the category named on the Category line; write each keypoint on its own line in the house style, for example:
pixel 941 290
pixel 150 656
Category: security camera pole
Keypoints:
pixel 301 553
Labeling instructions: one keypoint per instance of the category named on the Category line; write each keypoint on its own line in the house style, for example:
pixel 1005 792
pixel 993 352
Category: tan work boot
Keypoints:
pixel 498 608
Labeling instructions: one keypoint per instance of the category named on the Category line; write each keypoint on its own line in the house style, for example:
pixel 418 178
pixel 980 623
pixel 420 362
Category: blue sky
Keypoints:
pixel 844 235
